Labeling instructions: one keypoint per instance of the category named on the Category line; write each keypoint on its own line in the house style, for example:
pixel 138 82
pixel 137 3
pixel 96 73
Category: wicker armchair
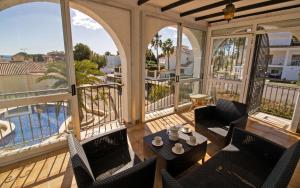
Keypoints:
pixel 107 161
pixel 217 122
pixel 248 161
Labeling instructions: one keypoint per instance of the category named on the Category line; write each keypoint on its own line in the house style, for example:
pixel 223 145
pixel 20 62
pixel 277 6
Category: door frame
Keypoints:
pixel 246 69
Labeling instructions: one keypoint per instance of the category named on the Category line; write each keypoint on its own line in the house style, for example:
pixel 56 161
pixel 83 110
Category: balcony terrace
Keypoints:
pixel 174 64
pixel 54 169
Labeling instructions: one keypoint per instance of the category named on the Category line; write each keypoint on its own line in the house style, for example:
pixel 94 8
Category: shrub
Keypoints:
pixel 158 92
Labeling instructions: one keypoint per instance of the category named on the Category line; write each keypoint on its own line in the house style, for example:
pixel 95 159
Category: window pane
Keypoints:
pixel 32 52
pixel 191 53
pixel 228 58
pixel 33 124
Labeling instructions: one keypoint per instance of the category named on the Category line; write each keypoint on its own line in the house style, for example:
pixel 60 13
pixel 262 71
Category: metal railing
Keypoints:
pixel 229 90
pixel 28 125
pixel 279 100
pixel 99 104
pixel 17 95
pixel 188 87
pixel 159 94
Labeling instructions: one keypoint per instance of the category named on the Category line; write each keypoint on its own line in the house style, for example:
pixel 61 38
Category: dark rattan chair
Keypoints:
pixel 217 122
pixel 248 161
pixel 107 161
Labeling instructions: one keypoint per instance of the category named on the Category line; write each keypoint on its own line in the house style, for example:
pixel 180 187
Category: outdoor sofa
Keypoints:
pixel 248 161
pixel 216 122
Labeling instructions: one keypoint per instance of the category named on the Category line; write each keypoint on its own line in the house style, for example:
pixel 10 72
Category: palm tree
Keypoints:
pixel 85 73
pixel 156 43
pixel 168 49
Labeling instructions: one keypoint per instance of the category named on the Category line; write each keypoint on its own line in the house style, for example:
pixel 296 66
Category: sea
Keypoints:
pixel 6 57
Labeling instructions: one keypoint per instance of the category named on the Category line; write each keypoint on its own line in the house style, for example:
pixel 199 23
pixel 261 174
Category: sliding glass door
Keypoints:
pixel 35 74
pixel 228 68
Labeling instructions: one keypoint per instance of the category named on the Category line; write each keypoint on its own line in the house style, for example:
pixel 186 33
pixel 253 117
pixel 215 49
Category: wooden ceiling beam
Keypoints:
pixel 259 13
pixel 175 4
pixel 244 8
pixel 204 8
pixel 140 2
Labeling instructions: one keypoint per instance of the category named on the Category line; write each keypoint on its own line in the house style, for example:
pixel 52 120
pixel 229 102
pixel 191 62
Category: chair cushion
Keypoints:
pixel 114 163
pixel 228 168
pixel 229 110
pixel 215 130
pixel 141 175
pixel 283 170
pixel 78 157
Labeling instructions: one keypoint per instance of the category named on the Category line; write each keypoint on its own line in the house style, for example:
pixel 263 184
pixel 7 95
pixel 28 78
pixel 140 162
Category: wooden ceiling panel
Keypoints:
pixel 286 4
pixel 160 3
pixel 194 4
pixel 220 9
pixel 267 8
pixel 245 7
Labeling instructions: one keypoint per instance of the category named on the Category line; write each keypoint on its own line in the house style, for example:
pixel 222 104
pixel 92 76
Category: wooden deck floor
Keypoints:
pixel 54 170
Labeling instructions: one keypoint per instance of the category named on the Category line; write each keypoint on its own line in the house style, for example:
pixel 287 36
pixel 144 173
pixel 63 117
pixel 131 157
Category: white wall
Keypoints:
pixel 278 56
pixel 290 72
pixel 280 38
pixel 111 62
pixel 23 83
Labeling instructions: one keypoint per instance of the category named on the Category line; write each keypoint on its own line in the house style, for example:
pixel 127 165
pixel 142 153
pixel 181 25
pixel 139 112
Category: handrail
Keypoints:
pixel 99 85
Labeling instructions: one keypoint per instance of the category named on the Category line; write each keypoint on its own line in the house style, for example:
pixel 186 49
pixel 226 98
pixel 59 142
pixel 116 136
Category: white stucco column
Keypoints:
pixel 296 116
pixel 178 62
pixel 137 70
pixel 286 59
pixel 65 9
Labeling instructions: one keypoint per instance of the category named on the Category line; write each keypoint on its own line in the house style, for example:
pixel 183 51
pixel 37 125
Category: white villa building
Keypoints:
pixel 285 57
pixel 113 61
pixel 187 62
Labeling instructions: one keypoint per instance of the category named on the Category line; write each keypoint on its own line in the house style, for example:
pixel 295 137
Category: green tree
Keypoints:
pixel 168 49
pixel 82 52
pixel 100 60
pixel 37 57
pixel 151 65
pixel 158 92
pixel 150 55
pixel 107 53
pixel 85 73
pixel 156 44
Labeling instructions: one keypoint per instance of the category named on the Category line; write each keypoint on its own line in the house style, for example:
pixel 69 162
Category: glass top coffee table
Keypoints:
pixel 174 163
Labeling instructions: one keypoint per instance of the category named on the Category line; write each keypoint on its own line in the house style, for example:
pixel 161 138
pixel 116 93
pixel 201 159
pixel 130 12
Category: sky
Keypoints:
pixel 37 28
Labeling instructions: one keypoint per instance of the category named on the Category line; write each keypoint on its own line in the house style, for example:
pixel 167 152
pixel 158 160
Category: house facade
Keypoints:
pixel 284 60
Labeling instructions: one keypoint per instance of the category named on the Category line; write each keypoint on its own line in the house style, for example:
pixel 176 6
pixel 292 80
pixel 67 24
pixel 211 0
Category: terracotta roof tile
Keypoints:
pixel 21 68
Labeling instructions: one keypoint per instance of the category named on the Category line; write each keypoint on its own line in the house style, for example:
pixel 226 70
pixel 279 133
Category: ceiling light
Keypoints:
pixel 229 11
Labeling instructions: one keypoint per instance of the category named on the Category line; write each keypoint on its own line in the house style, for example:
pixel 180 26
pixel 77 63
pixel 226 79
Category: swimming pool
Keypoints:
pixel 33 124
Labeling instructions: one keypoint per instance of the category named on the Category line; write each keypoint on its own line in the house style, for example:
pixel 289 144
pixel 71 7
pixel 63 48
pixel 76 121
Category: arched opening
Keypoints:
pixel 33 63
pixel 161 67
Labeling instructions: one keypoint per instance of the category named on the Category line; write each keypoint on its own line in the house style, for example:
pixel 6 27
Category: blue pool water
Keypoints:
pixel 32 126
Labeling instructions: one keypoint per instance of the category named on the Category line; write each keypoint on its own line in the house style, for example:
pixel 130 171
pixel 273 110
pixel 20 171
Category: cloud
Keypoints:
pixel 80 19
pixel 172 28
